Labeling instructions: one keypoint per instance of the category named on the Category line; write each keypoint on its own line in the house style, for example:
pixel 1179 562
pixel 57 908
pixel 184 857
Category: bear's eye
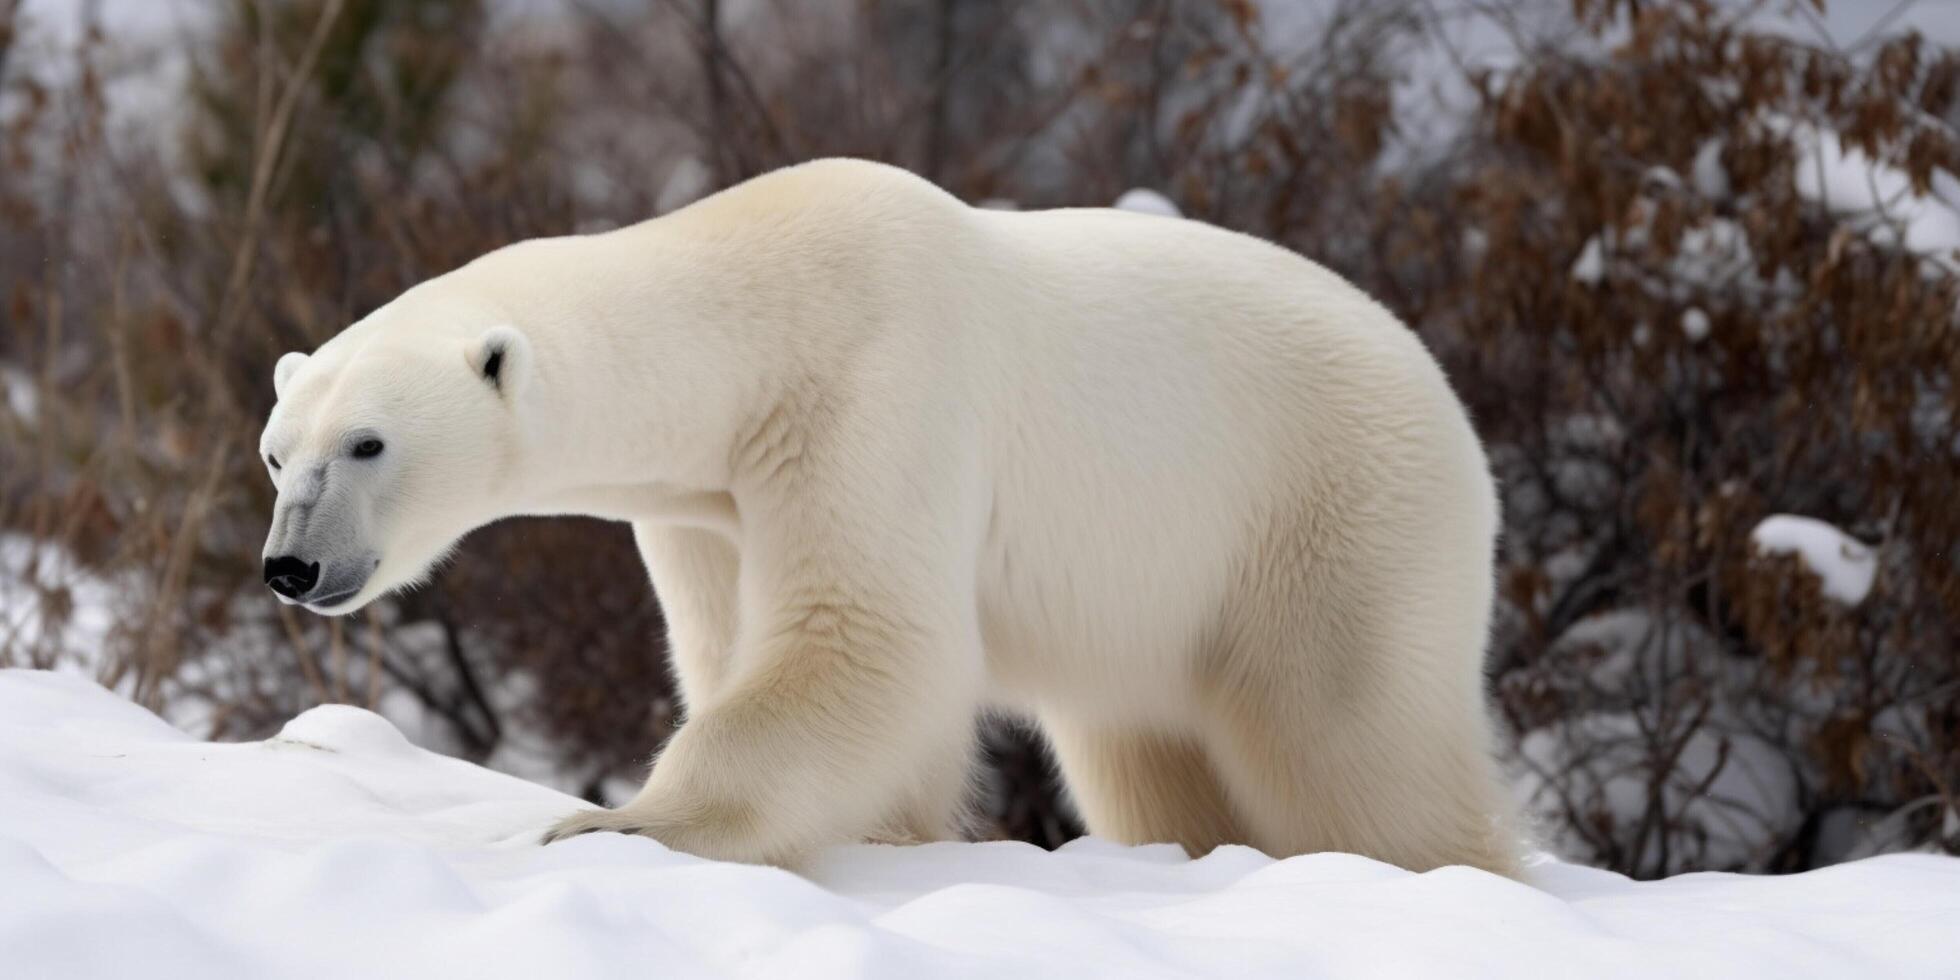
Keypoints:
pixel 367 449
pixel 272 461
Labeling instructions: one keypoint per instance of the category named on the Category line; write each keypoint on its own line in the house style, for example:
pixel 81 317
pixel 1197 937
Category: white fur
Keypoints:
pixel 1203 510
pixel 283 371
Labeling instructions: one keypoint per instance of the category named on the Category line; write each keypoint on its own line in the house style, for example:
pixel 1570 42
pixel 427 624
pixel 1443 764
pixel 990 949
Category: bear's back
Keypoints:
pixel 837 194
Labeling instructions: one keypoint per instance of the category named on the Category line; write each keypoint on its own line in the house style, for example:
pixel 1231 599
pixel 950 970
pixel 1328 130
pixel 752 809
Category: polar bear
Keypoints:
pixel 1198 507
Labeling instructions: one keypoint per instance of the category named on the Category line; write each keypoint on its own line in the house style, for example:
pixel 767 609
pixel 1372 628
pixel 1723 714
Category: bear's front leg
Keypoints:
pixel 856 673
pixel 845 696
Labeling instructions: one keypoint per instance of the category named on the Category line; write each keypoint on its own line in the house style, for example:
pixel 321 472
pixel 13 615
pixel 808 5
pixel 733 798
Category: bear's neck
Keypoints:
pixel 644 357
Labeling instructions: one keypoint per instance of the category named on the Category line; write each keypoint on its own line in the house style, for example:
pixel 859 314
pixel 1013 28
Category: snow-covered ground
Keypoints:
pixel 338 849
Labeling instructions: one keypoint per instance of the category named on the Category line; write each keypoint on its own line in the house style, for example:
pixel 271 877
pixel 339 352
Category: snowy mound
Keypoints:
pixel 1143 200
pixel 338 849
pixel 1845 565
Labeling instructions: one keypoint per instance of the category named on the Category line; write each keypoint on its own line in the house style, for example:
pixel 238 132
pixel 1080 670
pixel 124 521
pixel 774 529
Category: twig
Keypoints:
pixel 374 659
pixel 337 656
pixel 304 651
pixel 265 159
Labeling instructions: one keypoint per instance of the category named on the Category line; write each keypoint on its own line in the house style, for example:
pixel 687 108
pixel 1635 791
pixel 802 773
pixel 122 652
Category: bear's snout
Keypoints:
pixel 291 577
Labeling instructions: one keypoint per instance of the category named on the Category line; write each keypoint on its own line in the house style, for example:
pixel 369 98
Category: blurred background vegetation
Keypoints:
pixel 1691 264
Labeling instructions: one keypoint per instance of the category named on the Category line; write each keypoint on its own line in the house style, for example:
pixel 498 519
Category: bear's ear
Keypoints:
pixel 502 357
pixel 282 372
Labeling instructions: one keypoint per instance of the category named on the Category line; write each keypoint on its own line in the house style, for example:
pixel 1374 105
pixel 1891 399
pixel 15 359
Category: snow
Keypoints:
pixel 1735 790
pixel 1590 267
pixel 22 400
pixel 1846 565
pixel 1848 182
pixel 52 609
pixel 340 849
pixel 1711 179
pixel 688 182
pixel 1715 256
pixel 1712 257
pixel 1146 201
pixel 1730 794
pixel 1694 324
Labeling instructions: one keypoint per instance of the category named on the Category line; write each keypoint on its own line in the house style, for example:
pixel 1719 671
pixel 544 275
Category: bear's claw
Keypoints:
pixel 592 822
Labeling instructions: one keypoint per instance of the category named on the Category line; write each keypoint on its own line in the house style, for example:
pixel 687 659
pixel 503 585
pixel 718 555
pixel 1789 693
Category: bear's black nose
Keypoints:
pixel 290 577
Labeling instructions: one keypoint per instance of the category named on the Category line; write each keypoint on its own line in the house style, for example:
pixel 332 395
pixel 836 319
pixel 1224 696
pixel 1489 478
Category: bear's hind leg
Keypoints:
pixel 1138 787
pixel 1363 742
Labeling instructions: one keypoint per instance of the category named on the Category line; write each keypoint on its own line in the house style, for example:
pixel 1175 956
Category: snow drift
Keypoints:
pixel 339 849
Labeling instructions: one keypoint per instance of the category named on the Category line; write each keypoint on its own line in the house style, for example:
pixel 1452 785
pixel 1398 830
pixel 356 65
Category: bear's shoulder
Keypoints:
pixel 830 189
pixel 831 174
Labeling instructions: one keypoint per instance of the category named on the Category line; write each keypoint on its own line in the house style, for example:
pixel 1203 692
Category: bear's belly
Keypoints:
pixel 1032 682
pixel 1109 628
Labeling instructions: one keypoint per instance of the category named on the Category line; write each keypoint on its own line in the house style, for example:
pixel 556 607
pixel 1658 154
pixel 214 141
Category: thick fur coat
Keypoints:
pixel 1201 509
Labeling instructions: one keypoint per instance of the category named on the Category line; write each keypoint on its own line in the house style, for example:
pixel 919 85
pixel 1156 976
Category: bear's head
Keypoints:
pixel 386 446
